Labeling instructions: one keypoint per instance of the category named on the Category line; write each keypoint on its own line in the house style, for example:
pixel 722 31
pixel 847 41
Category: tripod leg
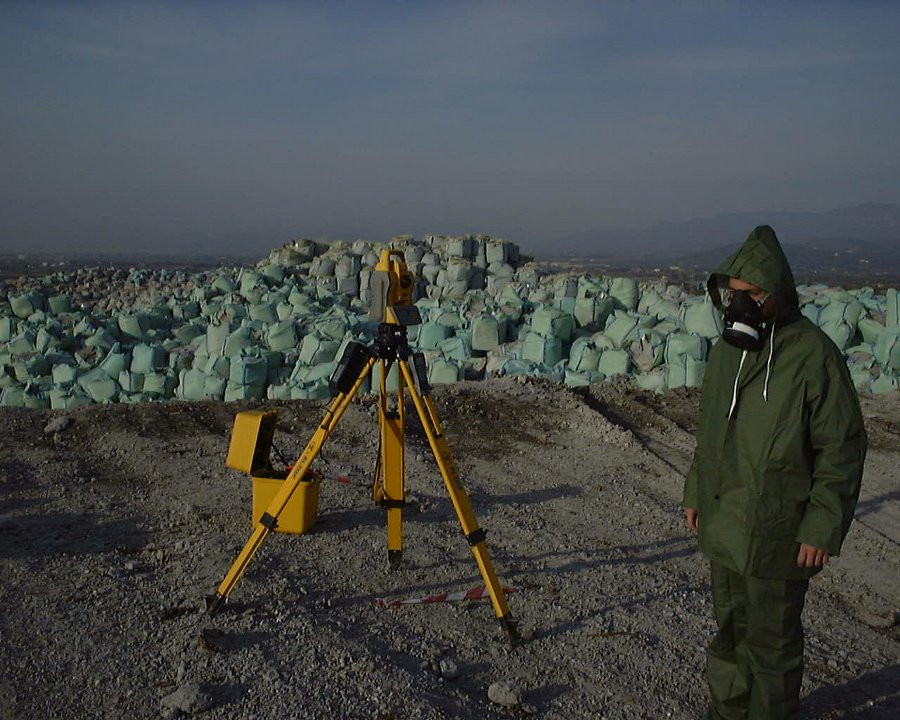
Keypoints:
pixel 269 518
pixel 461 502
pixel 392 465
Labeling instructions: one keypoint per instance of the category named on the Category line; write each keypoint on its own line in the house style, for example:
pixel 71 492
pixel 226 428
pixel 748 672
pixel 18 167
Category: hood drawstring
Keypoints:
pixel 737 378
pixel 769 363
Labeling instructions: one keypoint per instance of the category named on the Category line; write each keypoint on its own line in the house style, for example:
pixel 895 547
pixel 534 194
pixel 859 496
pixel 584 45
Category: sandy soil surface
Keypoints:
pixel 115 527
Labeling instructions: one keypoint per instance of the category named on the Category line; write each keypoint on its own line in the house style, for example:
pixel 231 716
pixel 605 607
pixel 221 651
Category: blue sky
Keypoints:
pixel 172 126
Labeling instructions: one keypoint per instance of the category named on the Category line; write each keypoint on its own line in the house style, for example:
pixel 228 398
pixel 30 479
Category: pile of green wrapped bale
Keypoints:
pixel 276 330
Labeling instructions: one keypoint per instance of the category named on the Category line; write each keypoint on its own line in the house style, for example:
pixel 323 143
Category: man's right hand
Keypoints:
pixel 693 521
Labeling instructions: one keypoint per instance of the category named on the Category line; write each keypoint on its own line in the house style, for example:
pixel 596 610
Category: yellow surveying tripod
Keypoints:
pixel 391 306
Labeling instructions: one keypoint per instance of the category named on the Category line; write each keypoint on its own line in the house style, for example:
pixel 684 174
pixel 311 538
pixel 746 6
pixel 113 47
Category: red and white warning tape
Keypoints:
pixel 475 593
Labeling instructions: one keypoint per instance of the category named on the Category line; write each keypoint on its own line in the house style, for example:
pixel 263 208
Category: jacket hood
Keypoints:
pixel 761 261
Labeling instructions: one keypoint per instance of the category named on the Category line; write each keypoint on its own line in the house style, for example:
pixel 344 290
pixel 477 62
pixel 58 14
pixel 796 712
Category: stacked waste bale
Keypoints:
pixel 277 330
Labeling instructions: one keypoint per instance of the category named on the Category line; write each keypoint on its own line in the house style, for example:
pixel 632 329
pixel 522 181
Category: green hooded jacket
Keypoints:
pixel 781 442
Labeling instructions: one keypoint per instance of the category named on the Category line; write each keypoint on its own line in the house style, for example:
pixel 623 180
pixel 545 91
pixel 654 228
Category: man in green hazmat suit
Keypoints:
pixel 774 481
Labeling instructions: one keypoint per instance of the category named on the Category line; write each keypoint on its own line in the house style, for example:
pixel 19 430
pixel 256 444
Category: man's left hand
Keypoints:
pixel 810 556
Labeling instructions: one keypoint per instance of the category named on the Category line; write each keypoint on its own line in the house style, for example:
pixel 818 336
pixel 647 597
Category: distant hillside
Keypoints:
pixel 873 229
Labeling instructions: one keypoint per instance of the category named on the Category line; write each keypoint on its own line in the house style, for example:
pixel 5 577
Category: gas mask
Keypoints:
pixel 743 319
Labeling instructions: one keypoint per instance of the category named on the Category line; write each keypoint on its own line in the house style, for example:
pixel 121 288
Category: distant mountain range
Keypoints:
pixel 867 235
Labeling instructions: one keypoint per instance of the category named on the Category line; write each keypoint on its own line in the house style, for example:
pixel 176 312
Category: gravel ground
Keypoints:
pixel 116 525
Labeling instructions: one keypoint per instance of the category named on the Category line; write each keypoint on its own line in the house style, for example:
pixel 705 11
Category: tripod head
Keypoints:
pixel 391 291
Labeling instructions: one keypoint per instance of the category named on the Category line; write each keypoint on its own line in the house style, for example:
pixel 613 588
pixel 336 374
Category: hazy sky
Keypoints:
pixel 173 126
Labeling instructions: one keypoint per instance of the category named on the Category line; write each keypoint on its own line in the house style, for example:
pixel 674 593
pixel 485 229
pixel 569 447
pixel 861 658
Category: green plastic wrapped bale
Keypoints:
pixel 623 328
pixel 248 280
pixel 30 367
pixel 186 311
pixel 214 388
pixel 542 349
pixel 841 333
pixel 842 311
pixel 36 397
pixel 274 272
pixel 284 311
pixel 281 391
pixel 685 371
pixel 614 362
pixel 63 398
pixel 626 292
pixel 892 308
pixel 583 356
pixel 282 336
pixel 648 301
pixel 315 349
pixel 44 340
pixel 133 326
pixel 576 379
pixel 862 378
pixel 887 349
pixel 885 383
pixel 148 358
pixel 648 351
pixel 131 382
pixel 101 340
pixel 59 304
pixel 191 385
pixel 187 333
pixel 497 251
pixel 654 381
pixel 8 328
pixel 238 342
pixel 588 286
pixel 314 391
pixel 216 337
pixel 679 345
pixel 567 305
pixel 432 333
pixel 115 362
pixel 248 370
pixel 390 382
pixel 863 354
pixel 486 333
pixel 234 392
pixel 263 312
pixel 26 304
pixel 593 312
pixel 216 366
pixel 869 329
pixel 333 327
pixel 515 367
pixel 160 384
pixel 548 321
pixel 23 343
pixel 100 386
pixel 13 396
pixel 224 284
pixel 702 319
pixel 456 348
pixel 315 373
pixel 811 312
pixel 64 373
pixel 443 372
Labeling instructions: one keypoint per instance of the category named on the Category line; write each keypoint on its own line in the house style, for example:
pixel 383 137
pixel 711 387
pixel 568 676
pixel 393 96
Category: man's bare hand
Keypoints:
pixel 693 521
pixel 810 556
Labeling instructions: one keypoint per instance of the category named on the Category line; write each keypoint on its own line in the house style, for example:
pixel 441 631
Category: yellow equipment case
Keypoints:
pixel 248 452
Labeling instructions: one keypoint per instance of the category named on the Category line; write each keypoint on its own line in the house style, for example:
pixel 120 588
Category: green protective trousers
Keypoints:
pixel 754 664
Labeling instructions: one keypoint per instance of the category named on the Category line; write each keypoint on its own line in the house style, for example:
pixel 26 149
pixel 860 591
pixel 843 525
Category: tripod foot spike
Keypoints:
pixel 395 558
pixel 511 628
pixel 214 603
